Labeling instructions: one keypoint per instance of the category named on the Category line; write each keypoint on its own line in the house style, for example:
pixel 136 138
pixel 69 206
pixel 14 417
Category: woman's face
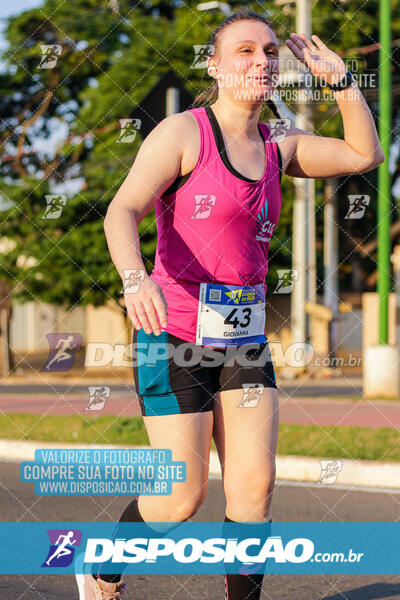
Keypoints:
pixel 247 61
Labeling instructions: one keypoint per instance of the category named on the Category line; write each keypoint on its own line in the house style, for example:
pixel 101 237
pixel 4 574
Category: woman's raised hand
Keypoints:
pixel 317 57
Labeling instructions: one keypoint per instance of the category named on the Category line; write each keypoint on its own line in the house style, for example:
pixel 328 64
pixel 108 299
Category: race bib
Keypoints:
pixel 230 315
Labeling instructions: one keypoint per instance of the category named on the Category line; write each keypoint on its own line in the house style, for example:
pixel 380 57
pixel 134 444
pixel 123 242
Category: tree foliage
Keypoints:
pixel 60 130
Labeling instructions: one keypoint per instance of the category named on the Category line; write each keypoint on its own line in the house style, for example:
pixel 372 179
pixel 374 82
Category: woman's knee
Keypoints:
pixel 253 487
pixel 184 503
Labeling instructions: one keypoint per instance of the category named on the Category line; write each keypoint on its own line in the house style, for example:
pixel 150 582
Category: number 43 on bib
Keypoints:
pixel 230 315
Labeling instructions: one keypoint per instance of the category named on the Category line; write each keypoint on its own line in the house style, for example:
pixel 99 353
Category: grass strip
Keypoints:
pixel 345 441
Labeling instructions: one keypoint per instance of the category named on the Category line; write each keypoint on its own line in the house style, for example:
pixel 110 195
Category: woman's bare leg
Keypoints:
pixel 189 438
pixel 246 439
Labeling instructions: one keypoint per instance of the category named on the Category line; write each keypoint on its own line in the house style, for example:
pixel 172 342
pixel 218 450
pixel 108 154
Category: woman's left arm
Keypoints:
pixel 317 156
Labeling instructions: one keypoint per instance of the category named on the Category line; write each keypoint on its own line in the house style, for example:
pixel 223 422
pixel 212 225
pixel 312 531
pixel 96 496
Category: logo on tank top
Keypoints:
pixel 265 228
pixel 204 204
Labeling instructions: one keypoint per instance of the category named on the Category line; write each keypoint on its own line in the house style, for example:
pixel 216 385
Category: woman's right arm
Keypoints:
pixel 156 166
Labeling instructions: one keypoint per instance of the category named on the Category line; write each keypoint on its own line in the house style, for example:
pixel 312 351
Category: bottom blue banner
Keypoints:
pixel 202 547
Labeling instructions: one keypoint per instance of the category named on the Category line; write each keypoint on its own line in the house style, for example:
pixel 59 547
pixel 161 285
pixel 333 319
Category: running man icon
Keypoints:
pixel 204 204
pixel 61 549
pixel 63 349
pixel 50 54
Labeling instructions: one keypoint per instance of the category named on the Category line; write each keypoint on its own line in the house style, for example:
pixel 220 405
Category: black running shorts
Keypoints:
pixel 173 376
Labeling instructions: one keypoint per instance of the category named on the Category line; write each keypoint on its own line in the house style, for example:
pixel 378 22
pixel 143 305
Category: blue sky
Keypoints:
pixel 13 8
pixel 17 7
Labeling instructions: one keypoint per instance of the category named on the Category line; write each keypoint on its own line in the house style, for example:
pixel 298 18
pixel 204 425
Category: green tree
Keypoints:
pixel 112 54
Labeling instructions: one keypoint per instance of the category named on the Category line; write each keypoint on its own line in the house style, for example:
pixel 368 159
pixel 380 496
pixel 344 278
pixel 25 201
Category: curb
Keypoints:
pixel 367 473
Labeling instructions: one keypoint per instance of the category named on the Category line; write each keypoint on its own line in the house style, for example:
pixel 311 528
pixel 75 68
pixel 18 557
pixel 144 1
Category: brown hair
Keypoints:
pixel 210 94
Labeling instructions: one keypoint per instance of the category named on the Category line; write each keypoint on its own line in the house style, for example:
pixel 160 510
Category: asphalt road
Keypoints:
pixel 291 503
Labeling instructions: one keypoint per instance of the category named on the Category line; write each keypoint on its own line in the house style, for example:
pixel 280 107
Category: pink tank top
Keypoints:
pixel 216 228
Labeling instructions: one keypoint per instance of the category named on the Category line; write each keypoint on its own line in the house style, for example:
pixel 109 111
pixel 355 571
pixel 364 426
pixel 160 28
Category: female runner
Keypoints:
pixel 213 174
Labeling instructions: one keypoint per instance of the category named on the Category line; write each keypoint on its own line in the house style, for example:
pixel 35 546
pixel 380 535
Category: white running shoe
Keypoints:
pixel 97 589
